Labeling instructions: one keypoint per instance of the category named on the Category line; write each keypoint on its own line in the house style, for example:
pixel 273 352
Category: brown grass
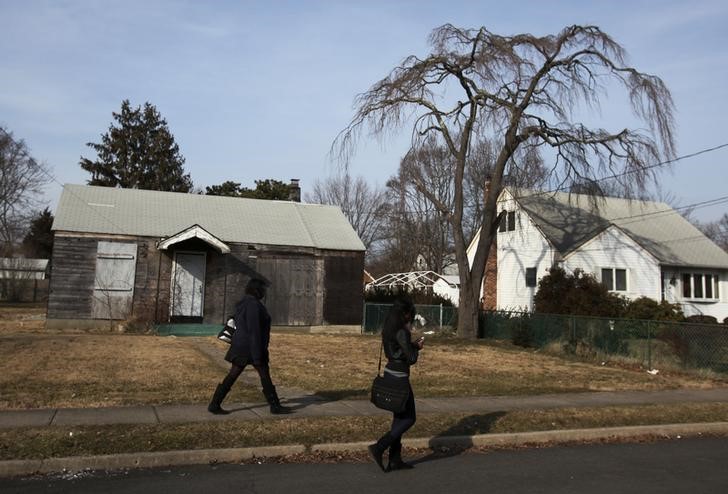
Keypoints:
pixel 48 442
pixel 343 366
pixel 39 369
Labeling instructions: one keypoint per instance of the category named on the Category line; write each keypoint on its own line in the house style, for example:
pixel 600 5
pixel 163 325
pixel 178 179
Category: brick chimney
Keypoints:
pixel 294 191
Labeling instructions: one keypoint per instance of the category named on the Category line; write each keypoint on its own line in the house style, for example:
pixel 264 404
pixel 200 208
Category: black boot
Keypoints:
pixel 395 457
pixel 220 393
pixel 376 450
pixel 271 397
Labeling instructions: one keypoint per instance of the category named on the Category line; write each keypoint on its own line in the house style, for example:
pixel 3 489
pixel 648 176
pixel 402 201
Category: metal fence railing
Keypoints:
pixel 436 316
pixel 653 344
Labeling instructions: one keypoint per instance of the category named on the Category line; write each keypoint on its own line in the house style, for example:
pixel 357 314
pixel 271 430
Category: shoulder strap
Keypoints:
pixel 381 348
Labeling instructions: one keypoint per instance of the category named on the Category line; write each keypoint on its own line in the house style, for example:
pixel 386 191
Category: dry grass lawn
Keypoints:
pixel 39 369
pixel 48 442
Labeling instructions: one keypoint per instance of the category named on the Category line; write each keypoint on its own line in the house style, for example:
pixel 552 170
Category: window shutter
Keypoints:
pixel 114 280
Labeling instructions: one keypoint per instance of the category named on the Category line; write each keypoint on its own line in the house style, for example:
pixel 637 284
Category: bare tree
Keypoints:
pixel 363 205
pixel 524 91
pixel 415 226
pixel 21 185
pixel 717 231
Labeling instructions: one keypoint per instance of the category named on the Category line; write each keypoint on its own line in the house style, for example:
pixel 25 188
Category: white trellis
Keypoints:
pixel 417 280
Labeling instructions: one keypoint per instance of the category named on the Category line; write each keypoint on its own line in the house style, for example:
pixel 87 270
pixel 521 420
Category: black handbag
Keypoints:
pixel 389 394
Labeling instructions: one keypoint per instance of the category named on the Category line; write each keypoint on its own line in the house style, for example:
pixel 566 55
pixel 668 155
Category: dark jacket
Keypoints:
pixel 252 333
pixel 400 351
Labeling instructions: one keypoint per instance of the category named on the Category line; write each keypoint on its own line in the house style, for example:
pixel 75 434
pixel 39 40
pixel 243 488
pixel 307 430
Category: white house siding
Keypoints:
pixel 674 292
pixel 443 288
pixel 614 249
pixel 524 247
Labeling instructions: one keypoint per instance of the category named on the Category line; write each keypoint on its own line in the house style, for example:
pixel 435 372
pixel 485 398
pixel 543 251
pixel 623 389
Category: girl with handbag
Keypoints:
pixel 401 353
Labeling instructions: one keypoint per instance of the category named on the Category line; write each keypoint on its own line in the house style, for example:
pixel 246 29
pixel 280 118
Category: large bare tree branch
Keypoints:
pixel 523 92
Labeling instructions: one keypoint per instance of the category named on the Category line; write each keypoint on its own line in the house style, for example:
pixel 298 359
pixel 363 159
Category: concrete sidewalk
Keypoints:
pixel 311 406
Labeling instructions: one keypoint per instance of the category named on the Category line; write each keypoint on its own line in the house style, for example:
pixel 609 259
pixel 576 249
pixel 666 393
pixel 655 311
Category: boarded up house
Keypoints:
pixel 129 254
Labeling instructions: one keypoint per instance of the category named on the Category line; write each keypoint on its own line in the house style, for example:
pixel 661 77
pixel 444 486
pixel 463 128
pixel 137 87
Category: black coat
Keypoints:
pixel 400 351
pixel 252 333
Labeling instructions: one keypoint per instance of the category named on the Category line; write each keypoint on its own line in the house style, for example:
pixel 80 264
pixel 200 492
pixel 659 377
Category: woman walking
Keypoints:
pixel 249 346
pixel 401 353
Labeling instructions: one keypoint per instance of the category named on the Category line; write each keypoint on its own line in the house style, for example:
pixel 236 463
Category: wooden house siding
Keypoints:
pixel 72 277
pixel 308 287
pixel 344 290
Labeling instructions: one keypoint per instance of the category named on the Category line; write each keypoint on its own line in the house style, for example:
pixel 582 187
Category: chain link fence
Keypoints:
pixel 651 344
pixel 435 316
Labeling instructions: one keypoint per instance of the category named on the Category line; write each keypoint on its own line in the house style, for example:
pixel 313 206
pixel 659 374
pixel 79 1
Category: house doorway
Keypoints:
pixel 188 287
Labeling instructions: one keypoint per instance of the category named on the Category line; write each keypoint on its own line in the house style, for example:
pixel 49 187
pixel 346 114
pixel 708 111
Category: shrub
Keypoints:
pixel 702 319
pixel 650 309
pixel 578 293
pixel 387 295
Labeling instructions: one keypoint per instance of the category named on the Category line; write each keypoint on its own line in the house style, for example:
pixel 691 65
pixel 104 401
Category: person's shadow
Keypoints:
pixel 468 426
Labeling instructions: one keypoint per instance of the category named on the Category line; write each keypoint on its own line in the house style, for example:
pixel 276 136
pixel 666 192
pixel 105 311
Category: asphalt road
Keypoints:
pixel 679 466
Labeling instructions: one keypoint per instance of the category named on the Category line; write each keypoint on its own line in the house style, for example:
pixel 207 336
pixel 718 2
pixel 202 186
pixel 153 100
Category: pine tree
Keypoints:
pixel 264 189
pixel 38 242
pixel 138 152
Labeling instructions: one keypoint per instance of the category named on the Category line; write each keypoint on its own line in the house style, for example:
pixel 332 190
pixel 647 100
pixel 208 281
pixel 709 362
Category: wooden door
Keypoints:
pixel 188 285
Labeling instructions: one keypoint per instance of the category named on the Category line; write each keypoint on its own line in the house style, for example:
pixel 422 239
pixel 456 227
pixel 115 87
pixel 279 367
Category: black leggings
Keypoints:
pixel 263 372
pixel 401 422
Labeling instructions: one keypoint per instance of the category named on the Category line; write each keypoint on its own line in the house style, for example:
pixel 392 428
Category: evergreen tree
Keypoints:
pixel 138 152
pixel 38 242
pixel 264 189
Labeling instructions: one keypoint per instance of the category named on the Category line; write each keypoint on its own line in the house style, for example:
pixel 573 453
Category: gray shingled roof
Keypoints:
pixel 89 209
pixel 569 220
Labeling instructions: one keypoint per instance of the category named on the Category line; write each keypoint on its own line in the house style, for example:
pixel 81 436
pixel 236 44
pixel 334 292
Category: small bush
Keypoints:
pixel 578 293
pixel 387 295
pixel 702 319
pixel 649 309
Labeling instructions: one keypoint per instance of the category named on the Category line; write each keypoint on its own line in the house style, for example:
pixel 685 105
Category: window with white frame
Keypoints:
pixel 614 279
pixel 507 221
pixel 700 286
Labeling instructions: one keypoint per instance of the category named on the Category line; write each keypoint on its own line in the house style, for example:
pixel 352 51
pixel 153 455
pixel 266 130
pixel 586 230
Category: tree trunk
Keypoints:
pixel 468 312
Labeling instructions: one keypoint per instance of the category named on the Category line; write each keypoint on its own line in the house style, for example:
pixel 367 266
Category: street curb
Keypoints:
pixel 16 468
pixel 541 437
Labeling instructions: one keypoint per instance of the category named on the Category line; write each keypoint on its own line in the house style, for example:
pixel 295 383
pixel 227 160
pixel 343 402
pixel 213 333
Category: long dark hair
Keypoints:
pixel 402 312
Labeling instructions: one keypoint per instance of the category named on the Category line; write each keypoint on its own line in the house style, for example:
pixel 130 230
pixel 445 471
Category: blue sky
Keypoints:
pixel 254 89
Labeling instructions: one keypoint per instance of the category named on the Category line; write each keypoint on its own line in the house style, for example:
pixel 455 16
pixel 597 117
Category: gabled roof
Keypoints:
pixel 90 209
pixel 569 220
pixel 195 231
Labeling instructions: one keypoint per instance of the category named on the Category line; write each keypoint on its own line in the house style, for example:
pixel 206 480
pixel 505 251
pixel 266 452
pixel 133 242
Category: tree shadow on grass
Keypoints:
pixel 456 439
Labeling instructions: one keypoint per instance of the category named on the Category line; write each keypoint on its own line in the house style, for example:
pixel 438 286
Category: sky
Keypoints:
pixel 260 89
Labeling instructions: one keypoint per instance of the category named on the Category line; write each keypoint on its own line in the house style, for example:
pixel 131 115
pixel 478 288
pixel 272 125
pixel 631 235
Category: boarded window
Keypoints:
pixel 114 280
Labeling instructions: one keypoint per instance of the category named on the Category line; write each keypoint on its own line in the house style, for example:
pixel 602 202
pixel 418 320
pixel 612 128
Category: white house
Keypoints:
pixel 636 248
